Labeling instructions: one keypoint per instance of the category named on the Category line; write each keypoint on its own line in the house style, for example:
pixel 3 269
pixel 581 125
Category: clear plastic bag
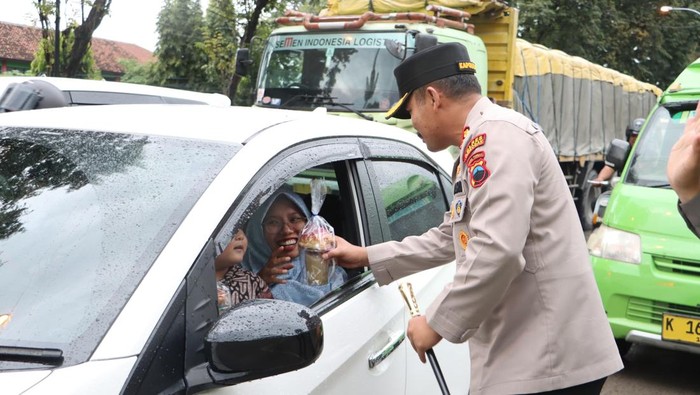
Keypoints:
pixel 316 238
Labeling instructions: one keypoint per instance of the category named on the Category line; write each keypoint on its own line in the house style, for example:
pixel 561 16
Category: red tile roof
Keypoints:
pixel 19 42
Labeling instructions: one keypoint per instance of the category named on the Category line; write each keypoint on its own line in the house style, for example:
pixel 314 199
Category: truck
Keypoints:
pixel 645 259
pixel 343 59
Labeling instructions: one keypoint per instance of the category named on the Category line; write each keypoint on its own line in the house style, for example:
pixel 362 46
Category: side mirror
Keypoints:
pixel 617 153
pixel 425 40
pixel 243 61
pixel 17 97
pixel 600 205
pixel 261 338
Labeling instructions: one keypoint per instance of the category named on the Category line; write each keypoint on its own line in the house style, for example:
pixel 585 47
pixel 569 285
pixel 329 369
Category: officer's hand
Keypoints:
pixel 347 255
pixel 422 336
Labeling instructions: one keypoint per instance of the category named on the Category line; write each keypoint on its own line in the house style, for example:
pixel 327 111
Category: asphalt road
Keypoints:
pixel 653 371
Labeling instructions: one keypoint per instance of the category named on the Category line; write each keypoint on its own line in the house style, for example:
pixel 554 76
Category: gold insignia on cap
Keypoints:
pixel 466 66
pixel 396 106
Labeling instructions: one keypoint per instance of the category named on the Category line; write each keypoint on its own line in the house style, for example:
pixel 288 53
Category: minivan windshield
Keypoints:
pixel 336 71
pixel 648 163
pixel 83 215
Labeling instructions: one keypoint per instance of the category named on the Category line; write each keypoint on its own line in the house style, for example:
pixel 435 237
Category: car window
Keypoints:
pixel 411 196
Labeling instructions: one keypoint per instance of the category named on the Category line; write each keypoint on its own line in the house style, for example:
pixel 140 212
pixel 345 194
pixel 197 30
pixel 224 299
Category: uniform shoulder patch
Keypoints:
pixel 476 142
pixel 478 171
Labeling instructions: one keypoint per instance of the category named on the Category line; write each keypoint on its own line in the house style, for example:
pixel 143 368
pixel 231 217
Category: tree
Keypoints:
pixel 626 35
pixel 181 57
pixel 250 20
pixel 74 44
pixel 220 43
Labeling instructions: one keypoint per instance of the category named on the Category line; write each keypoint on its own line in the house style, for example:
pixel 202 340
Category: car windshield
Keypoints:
pixel 650 156
pixel 339 71
pixel 83 215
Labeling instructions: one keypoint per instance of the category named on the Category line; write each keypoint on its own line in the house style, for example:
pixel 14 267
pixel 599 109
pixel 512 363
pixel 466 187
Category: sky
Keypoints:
pixel 130 21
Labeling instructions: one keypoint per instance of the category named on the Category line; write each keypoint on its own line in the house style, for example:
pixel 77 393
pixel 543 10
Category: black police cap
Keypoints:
pixel 428 65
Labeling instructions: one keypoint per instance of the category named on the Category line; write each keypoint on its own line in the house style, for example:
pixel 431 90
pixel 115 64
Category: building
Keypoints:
pixel 18 44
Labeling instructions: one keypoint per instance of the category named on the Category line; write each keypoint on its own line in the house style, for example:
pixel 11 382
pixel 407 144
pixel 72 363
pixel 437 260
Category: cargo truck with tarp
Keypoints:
pixel 343 59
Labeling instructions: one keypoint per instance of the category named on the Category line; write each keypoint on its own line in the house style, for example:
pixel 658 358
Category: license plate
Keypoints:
pixel 680 328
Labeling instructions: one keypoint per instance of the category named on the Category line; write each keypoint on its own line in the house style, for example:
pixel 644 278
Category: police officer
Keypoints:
pixel 631 134
pixel 684 172
pixel 523 292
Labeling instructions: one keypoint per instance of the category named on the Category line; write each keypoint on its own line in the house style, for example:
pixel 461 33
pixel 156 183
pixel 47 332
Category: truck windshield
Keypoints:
pixel 339 71
pixel 648 163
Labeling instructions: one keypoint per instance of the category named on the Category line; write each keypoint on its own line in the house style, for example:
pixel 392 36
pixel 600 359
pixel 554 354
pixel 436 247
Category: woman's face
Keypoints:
pixel 283 225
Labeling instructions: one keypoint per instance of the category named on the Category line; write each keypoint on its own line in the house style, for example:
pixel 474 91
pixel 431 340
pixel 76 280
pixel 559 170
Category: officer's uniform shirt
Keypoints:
pixel 523 291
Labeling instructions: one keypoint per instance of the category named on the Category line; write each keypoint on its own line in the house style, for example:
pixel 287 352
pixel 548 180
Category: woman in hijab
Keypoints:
pixel 274 253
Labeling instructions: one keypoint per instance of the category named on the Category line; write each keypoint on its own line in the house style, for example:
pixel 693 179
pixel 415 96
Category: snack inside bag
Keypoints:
pixel 316 238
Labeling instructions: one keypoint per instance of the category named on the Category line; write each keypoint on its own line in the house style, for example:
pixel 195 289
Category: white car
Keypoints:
pixel 61 92
pixel 109 221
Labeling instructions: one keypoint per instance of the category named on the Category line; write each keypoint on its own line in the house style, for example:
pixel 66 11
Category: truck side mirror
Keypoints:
pixel 617 153
pixel 243 62
pixel 424 41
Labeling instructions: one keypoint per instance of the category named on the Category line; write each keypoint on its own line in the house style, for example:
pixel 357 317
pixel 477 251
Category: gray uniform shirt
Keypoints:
pixel 523 291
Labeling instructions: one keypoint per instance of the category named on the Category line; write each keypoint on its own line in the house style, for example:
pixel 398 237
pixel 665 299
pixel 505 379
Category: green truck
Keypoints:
pixel 646 261
pixel 343 59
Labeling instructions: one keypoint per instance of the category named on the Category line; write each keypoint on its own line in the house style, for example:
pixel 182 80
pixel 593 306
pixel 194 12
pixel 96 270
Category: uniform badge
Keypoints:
pixel 463 239
pixel 478 172
pixel 476 142
pixel 457 210
pixel 458 188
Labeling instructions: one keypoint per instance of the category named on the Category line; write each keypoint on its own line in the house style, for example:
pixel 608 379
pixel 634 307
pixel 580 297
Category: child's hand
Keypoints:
pixel 278 264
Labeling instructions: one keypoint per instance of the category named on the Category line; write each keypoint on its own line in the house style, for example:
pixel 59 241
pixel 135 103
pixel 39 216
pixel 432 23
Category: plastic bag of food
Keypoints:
pixel 316 238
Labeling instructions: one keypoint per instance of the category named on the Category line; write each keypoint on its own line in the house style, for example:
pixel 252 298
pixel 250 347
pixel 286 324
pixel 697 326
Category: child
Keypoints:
pixel 241 284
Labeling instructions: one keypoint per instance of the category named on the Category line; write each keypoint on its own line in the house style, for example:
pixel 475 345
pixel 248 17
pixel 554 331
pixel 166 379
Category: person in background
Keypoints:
pixel 239 283
pixel 275 254
pixel 683 171
pixel 608 171
pixel 523 292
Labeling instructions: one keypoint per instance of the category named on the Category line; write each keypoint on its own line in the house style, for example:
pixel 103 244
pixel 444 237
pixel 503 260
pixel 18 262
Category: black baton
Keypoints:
pixel 410 299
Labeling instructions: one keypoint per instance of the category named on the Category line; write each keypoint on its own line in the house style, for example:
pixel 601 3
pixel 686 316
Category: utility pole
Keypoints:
pixel 57 42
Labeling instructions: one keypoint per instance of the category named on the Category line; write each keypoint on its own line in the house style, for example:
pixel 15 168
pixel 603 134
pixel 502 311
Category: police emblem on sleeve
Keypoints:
pixel 478 172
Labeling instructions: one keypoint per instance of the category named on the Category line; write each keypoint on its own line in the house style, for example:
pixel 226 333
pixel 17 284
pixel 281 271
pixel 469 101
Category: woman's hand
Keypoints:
pixel 277 265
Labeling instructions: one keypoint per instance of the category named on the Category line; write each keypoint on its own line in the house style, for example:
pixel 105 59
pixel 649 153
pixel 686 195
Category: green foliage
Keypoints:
pixel 88 67
pixel 181 56
pixel 629 36
pixel 139 73
pixel 219 43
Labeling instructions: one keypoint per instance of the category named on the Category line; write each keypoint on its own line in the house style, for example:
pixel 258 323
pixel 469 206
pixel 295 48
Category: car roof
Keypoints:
pixel 98 86
pixel 235 124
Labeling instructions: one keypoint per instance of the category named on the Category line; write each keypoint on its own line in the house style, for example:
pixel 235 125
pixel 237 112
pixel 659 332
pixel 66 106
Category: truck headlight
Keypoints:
pixel 610 243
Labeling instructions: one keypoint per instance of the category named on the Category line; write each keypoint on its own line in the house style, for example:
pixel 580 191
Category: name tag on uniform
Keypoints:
pixel 457 209
pixel 458 187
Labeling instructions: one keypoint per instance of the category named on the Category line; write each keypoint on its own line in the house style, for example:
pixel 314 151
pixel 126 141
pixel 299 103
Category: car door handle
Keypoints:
pixel 393 343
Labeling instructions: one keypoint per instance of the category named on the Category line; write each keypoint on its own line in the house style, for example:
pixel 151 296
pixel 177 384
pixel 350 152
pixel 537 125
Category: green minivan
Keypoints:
pixel 645 259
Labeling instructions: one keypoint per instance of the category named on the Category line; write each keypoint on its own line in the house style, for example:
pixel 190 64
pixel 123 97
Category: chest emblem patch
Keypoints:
pixel 478 172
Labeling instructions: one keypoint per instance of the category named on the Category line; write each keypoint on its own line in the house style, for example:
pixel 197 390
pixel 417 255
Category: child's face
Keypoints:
pixel 237 247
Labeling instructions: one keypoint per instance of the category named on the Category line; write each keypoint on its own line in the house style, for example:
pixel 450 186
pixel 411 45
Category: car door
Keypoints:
pixel 412 196
pixel 364 348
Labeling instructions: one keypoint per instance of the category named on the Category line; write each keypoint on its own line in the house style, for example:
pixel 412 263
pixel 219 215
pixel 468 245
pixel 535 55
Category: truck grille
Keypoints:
pixel 690 268
pixel 650 311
